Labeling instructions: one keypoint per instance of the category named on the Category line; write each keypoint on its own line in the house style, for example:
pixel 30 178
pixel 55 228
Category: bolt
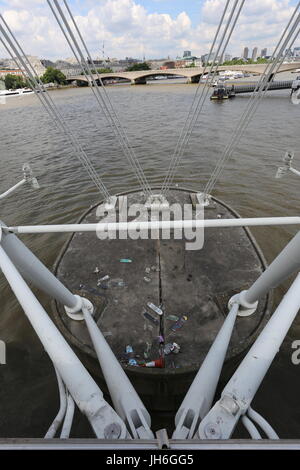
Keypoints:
pixel 212 431
pixel 112 431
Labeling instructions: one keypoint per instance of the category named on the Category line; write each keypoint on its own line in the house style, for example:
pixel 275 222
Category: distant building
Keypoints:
pixel 169 64
pixel 227 57
pixel 35 62
pixel 207 58
pixel 245 53
pixel 254 53
pixel 296 52
pixel 187 54
pixel 156 64
pixel 4 72
pixel 188 61
pixel 263 53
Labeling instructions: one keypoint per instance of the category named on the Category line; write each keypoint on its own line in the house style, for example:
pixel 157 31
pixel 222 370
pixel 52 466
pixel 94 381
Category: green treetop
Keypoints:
pixel 53 75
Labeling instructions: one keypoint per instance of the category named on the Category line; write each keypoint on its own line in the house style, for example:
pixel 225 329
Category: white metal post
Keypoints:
pixel 32 269
pixel 199 397
pixel 157 224
pixel 283 266
pixel 84 390
pixel 12 189
pixel 126 401
pixel 238 394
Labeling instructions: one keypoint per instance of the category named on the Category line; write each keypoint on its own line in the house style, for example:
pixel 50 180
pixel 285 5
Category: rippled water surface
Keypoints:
pixel 152 116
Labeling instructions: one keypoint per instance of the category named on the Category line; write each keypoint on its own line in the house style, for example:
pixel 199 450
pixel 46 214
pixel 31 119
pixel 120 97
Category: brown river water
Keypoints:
pixel 152 116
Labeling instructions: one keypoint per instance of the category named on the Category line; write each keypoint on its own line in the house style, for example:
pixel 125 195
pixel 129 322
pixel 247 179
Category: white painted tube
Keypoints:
pixel 126 401
pixel 68 421
pixel 285 264
pixel 84 390
pixel 33 270
pixel 262 423
pixel 243 385
pixel 173 224
pixel 12 189
pixel 296 172
pixel 250 428
pixel 62 408
pixel 199 397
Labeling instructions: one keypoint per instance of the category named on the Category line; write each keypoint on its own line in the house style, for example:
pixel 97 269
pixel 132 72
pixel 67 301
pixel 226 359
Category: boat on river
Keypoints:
pixel 17 92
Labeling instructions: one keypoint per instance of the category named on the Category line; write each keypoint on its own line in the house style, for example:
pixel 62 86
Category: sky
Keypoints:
pixel 150 28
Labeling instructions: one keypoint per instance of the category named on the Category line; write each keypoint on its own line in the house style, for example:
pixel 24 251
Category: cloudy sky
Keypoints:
pixel 154 28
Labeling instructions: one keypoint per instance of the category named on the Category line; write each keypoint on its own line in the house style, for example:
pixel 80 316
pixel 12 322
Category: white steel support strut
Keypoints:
pixel 84 390
pixel 238 394
pixel 199 397
pixel 157 224
pixel 283 266
pixel 126 401
pixel 33 270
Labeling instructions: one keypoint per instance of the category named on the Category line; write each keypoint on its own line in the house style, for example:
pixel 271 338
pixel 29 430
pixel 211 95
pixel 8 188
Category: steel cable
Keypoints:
pixel 22 62
pixel 259 92
pixel 104 102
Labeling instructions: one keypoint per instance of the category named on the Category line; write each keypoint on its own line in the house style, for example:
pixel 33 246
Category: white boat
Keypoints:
pixel 17 92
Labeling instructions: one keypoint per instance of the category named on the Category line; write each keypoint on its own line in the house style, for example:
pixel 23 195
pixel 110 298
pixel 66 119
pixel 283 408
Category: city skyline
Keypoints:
pixel 145 28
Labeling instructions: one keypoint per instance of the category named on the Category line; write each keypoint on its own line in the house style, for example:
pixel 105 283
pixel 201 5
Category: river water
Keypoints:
pixel 152 116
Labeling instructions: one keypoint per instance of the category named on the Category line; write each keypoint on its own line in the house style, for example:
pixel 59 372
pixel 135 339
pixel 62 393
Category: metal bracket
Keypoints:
pixel 162 439
pixel 28 176
pixel 204 199
pixel 245 309
pixel 76 312
pixel 157 202
pixel 283 170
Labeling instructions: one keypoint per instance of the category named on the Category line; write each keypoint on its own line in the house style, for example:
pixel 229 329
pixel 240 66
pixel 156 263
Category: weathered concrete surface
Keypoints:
pixel 197 284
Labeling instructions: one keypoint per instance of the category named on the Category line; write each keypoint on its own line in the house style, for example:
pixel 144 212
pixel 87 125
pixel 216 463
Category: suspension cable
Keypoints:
pixel 181 136
pixel 194 115
pixel 261 88
pixel 102 99
pixel 18 55
pixel 259 92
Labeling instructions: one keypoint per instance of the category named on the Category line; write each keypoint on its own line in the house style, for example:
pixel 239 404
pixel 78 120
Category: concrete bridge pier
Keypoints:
pixel 139 81
pixel 194 79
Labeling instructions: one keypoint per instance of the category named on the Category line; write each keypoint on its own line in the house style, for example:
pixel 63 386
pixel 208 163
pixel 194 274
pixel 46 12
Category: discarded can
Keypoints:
pixel 172 317
pixel 176 348
pixel 104 278
pixel 129 349
pixel 97 270
pixel 155 268
pixel 179 324
pixel 117 283
pixel 149 317
pixel 168 348
pixel 103 285
pixel 147 279
pixel 147 270
pixel 125 260
pixel 155 308
pixel 171 348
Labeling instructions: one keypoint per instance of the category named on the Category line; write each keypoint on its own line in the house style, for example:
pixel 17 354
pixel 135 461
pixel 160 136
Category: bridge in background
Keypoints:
pixel 193 74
